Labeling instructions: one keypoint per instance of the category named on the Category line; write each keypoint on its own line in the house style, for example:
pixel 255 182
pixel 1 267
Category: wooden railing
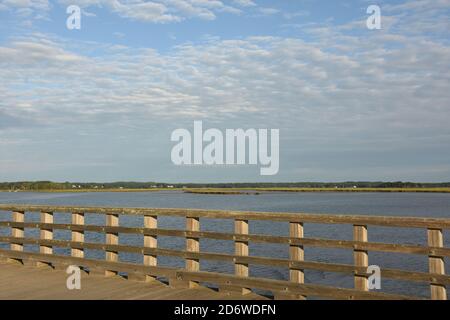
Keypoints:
pixel 240 282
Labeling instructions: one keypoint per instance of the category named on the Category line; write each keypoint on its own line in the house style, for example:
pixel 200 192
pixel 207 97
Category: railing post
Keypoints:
pixel 192 245
pixel 112 220
pixel 241 249
pixel 361 257
pixel 46 234
pixel 17 216
pixel 436 264
pixel 77 236
pixel 150 241
pixel 296 253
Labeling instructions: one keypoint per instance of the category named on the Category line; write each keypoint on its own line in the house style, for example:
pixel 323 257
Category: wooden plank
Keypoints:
pixel 46 234
pixel 241 249
pixel 150 241
pixel 112 239
pixel 436 264
pixel 166 272
pixel 289 287
pixel 296 253
pixel 20 282
pixel 77 236
pixel 210 277
pixel 389 221
pixel 361 258
pixel 192 245
pixel 315 242
pixel 300 265
pixel 17 216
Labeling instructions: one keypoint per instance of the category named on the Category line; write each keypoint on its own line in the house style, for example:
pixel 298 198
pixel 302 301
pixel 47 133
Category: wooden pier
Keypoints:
pixel 41 275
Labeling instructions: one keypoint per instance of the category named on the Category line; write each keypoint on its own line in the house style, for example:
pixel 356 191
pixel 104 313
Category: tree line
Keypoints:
pixel 50 185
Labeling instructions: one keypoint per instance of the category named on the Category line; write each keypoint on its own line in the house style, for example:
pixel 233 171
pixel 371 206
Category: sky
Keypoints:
pixel 100 103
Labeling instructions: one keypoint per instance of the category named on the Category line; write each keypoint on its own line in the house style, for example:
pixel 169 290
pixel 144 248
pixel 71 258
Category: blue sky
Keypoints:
pixel 100 103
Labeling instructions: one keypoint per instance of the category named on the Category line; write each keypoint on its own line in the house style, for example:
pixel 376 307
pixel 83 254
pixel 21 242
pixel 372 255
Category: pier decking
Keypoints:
pixel 41 275
pixel 20 282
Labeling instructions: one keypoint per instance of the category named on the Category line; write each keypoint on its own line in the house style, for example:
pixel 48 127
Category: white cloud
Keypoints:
pixel 26 8
pixel 418 5
pixel 343 82
pixel 268 11
pixel 160 11
pixel 295 14
pixel 348 90
pixel 245 3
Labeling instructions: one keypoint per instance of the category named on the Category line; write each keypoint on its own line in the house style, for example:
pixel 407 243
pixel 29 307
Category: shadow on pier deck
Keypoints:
pixel 19 282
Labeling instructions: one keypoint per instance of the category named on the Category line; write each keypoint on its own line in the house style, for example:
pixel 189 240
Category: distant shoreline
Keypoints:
pixel 241 191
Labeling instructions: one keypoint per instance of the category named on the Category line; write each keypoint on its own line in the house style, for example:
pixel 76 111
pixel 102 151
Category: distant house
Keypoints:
pixel 169 186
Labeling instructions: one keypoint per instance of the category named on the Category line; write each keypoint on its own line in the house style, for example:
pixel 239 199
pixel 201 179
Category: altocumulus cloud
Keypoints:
pixel 162 11
pixel 346 90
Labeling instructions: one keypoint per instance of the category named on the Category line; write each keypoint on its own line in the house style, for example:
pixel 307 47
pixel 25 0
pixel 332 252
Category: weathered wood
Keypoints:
pixel 296 253
pixel 310 265
pixel 150 241
pixel 313 242
pixel 21 282
pixel 77 236
pixel 436 264
pixel 289 287
pixel 91 263
pixel 46 234
pixel 17 232
pixel 241 238
pixel 112 239
pixel 361 258
pixel 192 245
pixel 241 249
pixel 389 221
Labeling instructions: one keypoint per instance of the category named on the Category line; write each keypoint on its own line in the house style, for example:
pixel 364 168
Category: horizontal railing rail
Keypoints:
pixel 388 221
pixel 240 282
pixel 312 242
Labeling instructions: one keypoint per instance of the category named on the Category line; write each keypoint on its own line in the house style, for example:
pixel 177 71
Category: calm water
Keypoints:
pixel 405 204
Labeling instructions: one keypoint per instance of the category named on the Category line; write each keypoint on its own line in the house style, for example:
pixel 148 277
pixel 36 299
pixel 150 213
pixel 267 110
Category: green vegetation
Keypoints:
pixel 83 186
pixel 230 191
pixel 225 188
pixel 260 190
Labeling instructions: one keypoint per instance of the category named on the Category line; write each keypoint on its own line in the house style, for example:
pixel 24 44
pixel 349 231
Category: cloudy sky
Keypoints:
pixel 100 103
